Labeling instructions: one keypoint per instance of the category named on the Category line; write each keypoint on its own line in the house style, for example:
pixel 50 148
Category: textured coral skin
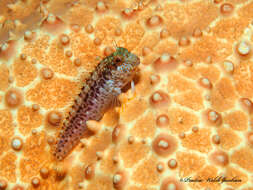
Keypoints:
pixel 195 85
pixel 99 92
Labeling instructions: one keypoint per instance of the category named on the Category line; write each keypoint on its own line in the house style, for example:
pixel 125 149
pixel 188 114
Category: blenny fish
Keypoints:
pixel 99 93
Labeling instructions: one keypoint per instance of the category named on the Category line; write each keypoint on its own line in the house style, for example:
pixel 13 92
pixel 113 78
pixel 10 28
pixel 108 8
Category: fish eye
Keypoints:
pixel 117 59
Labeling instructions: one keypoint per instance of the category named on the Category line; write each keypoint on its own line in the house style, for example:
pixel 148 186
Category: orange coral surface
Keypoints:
pixel 190 116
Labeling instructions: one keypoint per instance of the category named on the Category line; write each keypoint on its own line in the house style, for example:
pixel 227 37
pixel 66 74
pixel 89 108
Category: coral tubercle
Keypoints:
pixel 188 112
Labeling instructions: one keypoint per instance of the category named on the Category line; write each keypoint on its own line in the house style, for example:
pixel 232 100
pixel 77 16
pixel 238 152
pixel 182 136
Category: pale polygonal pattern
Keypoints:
pixel 190 114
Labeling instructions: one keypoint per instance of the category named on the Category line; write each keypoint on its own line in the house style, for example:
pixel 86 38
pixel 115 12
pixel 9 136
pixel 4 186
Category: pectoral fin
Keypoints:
pixel 115 102
pixel 114 98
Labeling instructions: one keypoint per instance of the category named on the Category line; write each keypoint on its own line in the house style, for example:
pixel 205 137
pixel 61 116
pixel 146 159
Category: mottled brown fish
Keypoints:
pixel 99 93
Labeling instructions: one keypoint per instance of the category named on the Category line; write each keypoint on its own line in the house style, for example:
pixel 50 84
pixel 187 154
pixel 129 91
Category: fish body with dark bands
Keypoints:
pixel 99 93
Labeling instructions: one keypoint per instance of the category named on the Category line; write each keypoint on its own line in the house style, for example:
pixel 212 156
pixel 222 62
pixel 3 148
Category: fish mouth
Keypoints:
pixel 137 60
pixel 134 59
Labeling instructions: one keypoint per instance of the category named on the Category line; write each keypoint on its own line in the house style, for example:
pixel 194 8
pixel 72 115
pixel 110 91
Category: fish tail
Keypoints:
pixel 69 138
